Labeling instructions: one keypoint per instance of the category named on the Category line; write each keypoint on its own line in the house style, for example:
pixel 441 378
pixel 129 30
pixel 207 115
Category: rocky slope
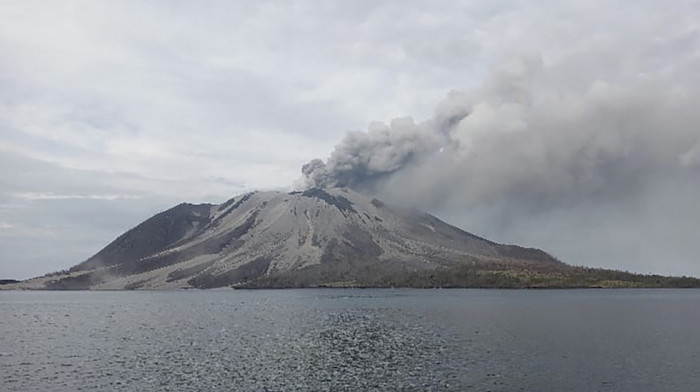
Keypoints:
pixel 332 237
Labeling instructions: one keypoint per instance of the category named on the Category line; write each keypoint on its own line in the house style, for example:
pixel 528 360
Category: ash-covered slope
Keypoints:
pixel 273 239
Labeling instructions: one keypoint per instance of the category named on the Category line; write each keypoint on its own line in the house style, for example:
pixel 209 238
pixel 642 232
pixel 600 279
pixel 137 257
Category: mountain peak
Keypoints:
pixel 306 238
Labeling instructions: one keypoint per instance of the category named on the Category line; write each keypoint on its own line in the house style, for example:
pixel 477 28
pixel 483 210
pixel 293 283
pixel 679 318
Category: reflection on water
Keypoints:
pixel 351 340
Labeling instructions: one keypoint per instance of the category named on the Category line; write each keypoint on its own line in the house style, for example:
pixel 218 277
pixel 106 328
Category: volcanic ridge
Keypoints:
pixel 318 238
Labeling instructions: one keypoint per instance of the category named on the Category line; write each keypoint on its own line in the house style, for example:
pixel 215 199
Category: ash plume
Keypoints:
pixel 524 148
pixel 364 159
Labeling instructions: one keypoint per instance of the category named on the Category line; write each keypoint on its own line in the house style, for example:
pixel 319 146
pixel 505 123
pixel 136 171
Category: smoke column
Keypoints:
pixel 599 160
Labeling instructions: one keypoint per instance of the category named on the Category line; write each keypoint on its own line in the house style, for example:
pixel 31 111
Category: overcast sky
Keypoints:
pixel 569 126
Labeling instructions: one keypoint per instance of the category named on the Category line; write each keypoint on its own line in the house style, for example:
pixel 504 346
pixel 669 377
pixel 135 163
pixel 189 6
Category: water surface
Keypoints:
pixel 351 340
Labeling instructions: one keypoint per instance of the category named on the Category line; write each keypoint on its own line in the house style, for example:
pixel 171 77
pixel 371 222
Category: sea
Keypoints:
pixel 351 340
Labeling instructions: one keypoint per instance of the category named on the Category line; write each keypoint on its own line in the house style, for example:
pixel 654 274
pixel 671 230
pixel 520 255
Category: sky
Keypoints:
pixel 568 126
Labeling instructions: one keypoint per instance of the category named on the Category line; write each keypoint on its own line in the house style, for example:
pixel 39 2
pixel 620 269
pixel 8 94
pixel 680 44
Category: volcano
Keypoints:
pixel 319 237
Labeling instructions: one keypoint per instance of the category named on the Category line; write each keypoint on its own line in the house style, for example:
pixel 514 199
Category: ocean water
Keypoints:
pixel 351 340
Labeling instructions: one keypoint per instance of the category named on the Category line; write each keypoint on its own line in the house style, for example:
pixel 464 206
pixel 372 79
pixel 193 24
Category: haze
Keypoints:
pixel 568 127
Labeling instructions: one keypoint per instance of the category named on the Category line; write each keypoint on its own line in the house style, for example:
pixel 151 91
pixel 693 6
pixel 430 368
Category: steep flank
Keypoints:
pixel 152 236
pixel 319 237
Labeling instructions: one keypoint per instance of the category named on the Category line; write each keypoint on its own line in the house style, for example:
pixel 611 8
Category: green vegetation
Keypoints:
pixel 496 275
pixel 573 277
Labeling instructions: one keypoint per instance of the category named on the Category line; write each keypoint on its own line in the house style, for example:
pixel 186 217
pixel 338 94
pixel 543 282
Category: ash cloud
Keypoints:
pixel 597 162
pixel 364 159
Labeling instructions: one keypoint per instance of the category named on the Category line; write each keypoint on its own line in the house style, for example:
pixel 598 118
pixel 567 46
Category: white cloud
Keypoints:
pixel 54 196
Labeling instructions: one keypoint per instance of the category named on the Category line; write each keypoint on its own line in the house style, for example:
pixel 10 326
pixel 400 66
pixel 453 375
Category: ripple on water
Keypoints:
pixel 345 340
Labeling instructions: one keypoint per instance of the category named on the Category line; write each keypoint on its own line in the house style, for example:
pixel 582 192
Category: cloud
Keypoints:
pixel 54 196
